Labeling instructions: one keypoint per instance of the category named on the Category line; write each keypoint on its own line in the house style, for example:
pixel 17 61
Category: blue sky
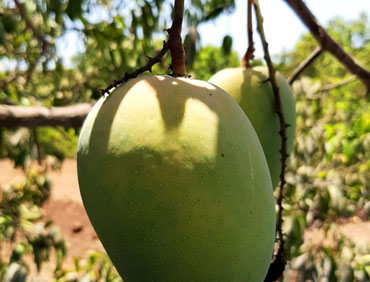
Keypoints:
pixel 282 27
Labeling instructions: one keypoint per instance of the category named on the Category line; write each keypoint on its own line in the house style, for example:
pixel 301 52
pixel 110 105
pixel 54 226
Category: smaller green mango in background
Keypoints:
pixel 253 92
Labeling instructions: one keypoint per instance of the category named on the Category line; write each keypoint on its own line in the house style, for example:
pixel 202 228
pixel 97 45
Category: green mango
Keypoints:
pixel 253 92
pixel 175 183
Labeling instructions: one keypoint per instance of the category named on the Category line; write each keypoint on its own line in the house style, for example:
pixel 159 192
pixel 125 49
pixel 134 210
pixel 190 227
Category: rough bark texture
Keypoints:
pixel 18 116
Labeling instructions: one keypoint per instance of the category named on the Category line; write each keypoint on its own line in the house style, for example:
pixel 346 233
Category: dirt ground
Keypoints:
pixel 65 209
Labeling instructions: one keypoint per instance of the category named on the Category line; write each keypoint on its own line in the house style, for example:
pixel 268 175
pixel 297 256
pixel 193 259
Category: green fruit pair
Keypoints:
pixel 253 92
pixel 176 184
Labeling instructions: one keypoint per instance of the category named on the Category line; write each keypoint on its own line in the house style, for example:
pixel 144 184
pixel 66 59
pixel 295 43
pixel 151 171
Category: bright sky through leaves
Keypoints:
pixel 282 27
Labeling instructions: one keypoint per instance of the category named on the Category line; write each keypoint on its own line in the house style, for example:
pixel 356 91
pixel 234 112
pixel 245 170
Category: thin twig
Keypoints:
pixel 38 34
pixel 302 66
pixel 327 42
pixel 249 54
pixel 40 37
pixel 37 143
pixel 278 263
pixel 148 67
pixel 339 84
pixel 32 67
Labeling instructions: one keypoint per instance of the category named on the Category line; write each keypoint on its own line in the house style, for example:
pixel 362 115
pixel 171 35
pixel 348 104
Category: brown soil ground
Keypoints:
pixel 65 209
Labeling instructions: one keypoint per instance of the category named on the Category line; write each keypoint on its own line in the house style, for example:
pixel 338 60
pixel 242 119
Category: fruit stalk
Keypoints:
pixel 277 266
pixel 249 54
pixel 174 44
pixel 175 41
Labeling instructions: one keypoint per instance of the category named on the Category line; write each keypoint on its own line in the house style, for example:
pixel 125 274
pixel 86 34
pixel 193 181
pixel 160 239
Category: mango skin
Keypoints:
pixel 251 90
pixel 175 183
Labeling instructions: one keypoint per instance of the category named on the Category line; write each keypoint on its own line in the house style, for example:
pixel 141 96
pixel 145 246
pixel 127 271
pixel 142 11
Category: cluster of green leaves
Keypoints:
pixel 22 145
pixel 210 60
pixel 21 233
pixel 96 268
pixel 328 177
pixel 342 260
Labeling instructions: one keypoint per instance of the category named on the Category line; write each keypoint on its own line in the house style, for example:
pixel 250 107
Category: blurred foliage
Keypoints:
pixel 352 35
pixel 96 268
pixel 22 145
pixel 24 233
pixel 329 170
pixel 339 260
pixel 21 231
pixel 211 59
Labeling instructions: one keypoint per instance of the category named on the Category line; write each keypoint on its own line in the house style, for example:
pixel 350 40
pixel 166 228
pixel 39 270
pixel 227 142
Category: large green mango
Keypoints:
pixel 253 92
pixel 175 183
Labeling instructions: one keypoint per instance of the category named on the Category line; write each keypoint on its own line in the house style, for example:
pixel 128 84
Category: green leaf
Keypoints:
pixel 30 213
pixel 214 13
pixel 190 46
pixel 74 9
pixel 9 22
pixel 2 33
pixel 19 250
pixel 4 219
pixel 227 44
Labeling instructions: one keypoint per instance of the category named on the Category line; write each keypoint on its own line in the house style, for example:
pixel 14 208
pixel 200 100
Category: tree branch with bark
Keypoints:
pixel 18 116
pixel 327 42
pixel 302 66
